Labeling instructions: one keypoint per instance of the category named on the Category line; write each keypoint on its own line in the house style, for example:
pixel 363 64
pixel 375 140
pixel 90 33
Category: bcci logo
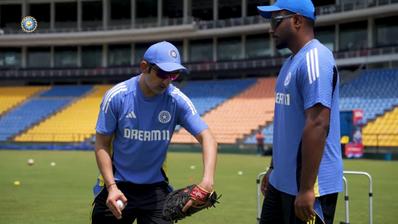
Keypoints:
pixel 28 24
pixel 173 53
pixel 164 117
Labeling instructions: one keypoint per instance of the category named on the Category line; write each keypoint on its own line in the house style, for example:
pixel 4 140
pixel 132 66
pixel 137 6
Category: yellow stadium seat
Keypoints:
pixel 12 96
pixel 74 123
pixel 385 128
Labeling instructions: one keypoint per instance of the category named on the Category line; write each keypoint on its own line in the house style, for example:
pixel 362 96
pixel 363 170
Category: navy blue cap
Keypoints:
pixel 164 55
pixel 302 7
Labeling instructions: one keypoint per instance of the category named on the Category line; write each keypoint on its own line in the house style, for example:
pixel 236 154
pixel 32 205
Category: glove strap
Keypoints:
pixel 199 194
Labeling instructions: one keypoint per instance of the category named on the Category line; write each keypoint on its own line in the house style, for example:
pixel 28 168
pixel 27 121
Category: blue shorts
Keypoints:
pixel 144 204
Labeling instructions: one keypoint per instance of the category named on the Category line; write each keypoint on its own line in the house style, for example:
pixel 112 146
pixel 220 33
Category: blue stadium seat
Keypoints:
pixel 373 91
pixel 66 91
pixel 206 95
pixel 38 108
pixel 268 133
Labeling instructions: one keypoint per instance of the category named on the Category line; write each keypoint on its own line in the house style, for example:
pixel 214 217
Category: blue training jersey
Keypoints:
pixel 143 127
pixel 304 80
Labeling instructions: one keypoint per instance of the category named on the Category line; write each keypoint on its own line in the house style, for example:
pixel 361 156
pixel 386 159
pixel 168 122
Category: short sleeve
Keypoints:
pixel 316 77
pixel 107 117
pixel 188 116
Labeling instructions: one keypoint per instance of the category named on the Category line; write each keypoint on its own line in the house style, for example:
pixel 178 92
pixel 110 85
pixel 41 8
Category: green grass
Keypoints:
pixel 62 194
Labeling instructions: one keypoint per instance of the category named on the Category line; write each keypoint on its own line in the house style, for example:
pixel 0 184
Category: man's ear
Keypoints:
pixel 144 66
pixel 298 21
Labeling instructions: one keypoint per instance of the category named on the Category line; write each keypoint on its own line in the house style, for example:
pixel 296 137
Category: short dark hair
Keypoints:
pixel 311 22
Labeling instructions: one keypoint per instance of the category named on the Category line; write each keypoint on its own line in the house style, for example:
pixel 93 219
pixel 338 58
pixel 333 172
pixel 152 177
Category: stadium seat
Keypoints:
pixel 12 96
pixel 231 121
pixel 74 123
pixel 376 93
pixel 206 95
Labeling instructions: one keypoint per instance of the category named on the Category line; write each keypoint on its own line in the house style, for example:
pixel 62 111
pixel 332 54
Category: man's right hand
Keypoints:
pixel 264 182
pixel 115 194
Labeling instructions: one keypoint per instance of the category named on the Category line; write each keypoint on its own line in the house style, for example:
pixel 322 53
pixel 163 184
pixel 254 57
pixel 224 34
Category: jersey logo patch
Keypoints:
pixel 287 79
pixel 131 115
pixel 164 117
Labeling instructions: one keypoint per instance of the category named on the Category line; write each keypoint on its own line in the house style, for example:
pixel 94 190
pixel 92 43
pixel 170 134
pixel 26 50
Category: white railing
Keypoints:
pixel 260 176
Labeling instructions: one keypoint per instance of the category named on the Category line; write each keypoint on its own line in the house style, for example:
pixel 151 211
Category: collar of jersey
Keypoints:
pixel 141 94
pixel 304 47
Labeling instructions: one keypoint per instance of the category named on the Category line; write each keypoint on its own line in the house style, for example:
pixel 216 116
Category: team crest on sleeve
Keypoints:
pixel 164 117
pixel 287 79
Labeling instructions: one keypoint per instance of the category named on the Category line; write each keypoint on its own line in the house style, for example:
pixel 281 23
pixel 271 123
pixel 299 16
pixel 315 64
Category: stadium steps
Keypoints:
pixel 382 114
pixel 268 131
pixel 74 123
pixel 254 132
pixel 382 131
pixel 348 76
pixel 36 109
pixel 207 95
pixel 238 116
pixel 28 114
pixel 12 97
pixel 374 91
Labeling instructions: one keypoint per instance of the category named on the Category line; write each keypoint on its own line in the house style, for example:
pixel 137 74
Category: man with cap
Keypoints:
pixel 135 124
pixel 306 172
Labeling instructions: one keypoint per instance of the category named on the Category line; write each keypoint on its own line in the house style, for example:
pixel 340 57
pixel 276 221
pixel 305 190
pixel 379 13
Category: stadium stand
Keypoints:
pixel 217 40
pixel 232 120
pixel 374 91
pixel 38 108
pixel 15 95
pixel 206 95
pixel 383 131
pixel 267 132
pixel 28 114
pixel 66 91
pixel 74 123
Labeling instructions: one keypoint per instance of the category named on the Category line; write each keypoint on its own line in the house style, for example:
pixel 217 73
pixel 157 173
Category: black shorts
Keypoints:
pixel 145 204
pixel 278 207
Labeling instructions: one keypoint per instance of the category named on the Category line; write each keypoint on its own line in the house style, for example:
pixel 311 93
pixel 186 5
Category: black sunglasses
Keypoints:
pixel 277 20
pixel 173 75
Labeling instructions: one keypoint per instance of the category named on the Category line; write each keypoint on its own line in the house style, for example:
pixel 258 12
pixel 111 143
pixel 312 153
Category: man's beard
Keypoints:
pixel 281 45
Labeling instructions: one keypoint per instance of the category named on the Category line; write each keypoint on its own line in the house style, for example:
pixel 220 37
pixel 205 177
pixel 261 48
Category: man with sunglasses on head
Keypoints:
pixel 135 124
pixel 306 172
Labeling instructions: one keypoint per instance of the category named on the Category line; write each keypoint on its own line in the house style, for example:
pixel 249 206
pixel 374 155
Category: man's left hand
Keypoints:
pixel 304 205
pixel 205 185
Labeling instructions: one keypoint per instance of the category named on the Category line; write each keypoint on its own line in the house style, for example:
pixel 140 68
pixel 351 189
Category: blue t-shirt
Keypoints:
pixel 304 80
pixel 143 127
